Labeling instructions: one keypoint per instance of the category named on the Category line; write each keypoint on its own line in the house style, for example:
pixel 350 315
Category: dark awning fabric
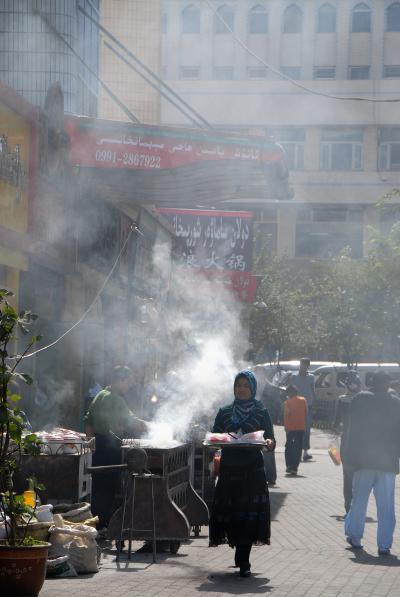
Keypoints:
pixel 167 166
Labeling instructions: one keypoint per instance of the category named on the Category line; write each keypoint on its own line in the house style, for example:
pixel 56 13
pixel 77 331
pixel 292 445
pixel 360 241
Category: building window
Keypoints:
pixel 389 149
pixel 361 19
pixel 323 232
pixel 164 23
pixel 225 19
pixel 256 72
pixel 341 149
pixel 223 73
pixel 293 72
pixel 293 142
pixel 191 19
pixel 393 17
pixel 189 72
pixel 258 19
pixel 292 19
pixel 324 72
pixel 326 20
pixel 391 72
pixel 358 72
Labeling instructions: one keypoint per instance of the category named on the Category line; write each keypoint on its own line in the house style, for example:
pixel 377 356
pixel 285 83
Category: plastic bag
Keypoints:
pixel 334 453
pixel 78 542
pixel 60 567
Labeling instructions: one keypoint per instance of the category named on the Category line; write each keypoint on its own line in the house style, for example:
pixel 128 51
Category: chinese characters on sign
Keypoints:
pixel 217 244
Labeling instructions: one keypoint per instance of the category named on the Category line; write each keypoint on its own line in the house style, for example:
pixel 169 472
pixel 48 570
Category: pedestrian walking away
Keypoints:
pixel 352 384
pixel 240 513
pixel 373 453
pixel 305 383
pixel 295 421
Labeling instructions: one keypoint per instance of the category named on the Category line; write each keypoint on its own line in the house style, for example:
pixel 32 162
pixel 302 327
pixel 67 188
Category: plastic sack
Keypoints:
pixel 60 567
pixel 74 512
pixel 78 542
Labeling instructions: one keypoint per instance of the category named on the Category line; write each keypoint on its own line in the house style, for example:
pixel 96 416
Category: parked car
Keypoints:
pixel 330 383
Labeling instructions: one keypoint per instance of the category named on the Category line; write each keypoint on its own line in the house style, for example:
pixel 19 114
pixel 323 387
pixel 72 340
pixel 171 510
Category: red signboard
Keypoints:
pixel 216 244
pixel 104 144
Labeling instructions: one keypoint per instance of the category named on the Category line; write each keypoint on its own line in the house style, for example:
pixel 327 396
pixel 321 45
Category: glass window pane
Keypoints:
pixel 326 19
pixel 392 134
pixel 223 72
pixel 359 72
pixel 324 72
pixel 226 19
pixel 256 72
pixel 258 20
pixel 294 72
pixel 361 19
pixel 395 156
pixel 325 156
pixel 393 17
pixel 342 156
pixel 391 72
pixel 342 135
pixel 292 19
pixel 383 156
pixel 190 20
pixel 357 164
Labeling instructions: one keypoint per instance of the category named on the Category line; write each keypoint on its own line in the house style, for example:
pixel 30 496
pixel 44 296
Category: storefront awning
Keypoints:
pixel 171 166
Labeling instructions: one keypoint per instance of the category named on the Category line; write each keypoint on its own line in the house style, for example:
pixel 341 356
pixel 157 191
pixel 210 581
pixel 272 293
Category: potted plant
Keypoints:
pixel 22 558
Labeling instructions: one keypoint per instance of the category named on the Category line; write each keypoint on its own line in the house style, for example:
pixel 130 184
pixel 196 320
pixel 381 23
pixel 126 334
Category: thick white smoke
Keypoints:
pixel 204 325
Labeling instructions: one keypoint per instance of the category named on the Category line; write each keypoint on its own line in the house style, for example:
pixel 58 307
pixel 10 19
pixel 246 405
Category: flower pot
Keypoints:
pixel 22 569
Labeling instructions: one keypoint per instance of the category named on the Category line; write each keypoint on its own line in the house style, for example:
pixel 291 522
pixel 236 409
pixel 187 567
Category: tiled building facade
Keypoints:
pixel 344 155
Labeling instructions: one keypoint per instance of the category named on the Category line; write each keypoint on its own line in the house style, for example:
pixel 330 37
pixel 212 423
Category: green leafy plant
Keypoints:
pixel 15 438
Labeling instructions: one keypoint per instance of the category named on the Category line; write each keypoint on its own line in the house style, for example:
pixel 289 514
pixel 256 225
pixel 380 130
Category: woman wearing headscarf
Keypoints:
pixel 240 514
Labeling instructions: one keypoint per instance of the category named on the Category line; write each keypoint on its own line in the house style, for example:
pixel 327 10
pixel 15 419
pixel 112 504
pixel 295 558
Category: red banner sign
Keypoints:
pixel 217 245
pixel 103 144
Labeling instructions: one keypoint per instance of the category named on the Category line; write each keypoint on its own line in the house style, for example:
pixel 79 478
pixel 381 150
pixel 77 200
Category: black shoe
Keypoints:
pixel 245 571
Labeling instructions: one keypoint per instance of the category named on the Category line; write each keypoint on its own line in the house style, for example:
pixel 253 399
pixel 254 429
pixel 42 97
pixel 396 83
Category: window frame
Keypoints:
pixel 322 68
pixel 257 9
pixel 192 78
pixel 393 66
pixel 357 10
pixel 318 23
pixel 387 20
pixel 219 27
pixel 300 14
pixel 359 66
pixel 326 152
pixel 188 26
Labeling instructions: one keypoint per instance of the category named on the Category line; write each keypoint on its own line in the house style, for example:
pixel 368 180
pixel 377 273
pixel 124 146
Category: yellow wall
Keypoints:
pixel 13 211
pixel 137 24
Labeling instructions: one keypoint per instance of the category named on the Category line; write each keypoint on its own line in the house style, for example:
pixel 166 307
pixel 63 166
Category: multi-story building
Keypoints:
pixel 137 24
pixel 51 41
pixel 342 58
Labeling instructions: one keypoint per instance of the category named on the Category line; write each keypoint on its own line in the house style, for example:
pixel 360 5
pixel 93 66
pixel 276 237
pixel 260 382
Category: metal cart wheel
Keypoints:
pixel 174 546
pixel 196 530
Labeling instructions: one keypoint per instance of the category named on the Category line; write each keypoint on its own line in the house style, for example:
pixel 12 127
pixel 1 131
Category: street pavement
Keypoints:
pixel 308 556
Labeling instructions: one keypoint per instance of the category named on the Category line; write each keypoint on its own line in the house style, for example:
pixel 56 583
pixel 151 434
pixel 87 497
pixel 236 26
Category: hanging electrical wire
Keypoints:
pixel 96 298
pixel 286 77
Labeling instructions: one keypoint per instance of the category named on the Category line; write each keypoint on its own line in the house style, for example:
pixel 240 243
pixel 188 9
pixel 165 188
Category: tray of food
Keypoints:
pixel 234 440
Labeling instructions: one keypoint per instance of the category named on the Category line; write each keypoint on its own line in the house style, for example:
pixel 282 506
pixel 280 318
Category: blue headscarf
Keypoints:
pixel 251 378
pixel 242 409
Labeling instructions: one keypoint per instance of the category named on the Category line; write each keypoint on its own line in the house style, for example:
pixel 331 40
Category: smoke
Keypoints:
pixel 203 328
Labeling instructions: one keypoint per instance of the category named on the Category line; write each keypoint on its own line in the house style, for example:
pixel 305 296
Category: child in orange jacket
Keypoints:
pixel 294 420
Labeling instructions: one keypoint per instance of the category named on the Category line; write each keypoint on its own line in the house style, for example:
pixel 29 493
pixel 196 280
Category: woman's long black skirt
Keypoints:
pixel 240 513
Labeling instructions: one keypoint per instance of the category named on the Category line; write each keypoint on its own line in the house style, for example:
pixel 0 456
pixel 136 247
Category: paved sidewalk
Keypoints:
pixel 308 556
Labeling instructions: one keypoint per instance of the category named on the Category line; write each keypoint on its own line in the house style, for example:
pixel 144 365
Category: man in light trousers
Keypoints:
pixel 373 453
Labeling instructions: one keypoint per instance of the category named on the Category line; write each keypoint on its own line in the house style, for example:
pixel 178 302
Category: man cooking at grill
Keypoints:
pixel 109 420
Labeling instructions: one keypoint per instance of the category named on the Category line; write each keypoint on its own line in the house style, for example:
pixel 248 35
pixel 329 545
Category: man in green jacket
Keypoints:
pixel 109 420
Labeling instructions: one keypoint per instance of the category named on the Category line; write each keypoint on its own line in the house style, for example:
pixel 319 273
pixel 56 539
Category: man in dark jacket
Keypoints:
pixel 373 453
